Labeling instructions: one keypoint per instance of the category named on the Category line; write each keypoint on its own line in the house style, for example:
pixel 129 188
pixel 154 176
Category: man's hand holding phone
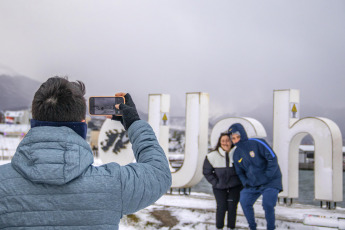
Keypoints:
pixel 104 105
pixel 128 110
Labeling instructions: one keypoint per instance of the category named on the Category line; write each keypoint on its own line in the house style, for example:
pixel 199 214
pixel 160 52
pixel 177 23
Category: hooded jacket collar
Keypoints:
pixel 52 155
pixel 237 127
pixel 79 127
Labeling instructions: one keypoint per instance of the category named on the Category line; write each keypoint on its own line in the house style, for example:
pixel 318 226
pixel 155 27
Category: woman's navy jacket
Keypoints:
pixel 255 162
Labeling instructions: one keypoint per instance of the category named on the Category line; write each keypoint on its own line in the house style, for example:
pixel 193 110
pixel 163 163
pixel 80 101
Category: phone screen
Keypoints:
pixel 105 105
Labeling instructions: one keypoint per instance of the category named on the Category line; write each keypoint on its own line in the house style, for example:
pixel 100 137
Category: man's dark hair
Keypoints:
pixel 58 99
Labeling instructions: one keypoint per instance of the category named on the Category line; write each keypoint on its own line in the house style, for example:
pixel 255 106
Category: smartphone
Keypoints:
pixel 100 106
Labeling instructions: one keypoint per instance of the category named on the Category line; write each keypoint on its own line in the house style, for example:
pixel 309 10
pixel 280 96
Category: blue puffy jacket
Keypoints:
pixel 255 162
pixel 51 184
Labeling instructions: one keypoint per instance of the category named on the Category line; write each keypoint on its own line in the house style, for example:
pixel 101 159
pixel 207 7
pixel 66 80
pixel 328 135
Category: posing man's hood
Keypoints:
pixel 237 127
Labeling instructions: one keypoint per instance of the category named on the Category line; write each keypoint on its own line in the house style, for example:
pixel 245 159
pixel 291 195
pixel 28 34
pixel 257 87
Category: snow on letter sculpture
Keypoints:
pixel 196 135
pixel 288 132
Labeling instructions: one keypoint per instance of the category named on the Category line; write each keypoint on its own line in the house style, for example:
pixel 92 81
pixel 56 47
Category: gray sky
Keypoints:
pixel 237 51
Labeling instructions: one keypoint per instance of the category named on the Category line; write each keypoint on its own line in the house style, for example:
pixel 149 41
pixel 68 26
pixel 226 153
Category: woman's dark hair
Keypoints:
pixel 218 143
pixel 58 99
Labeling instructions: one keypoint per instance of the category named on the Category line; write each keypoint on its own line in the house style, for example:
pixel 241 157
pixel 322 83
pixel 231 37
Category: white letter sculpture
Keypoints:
pixel 196 135
pixel 253 128
pixel 159 108
pixel 288 132
pixel 113 144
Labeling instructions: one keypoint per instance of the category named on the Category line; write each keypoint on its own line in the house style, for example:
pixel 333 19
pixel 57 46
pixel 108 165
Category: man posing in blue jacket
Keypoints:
pixel 257 167
pixel 51 183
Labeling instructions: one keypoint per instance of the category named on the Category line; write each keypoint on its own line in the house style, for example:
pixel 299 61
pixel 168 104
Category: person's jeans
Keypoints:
pixel 269 200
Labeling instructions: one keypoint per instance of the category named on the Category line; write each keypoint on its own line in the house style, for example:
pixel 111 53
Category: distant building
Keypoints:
pixel 17 117
pixel 10 137
pixel 306 156
pixel 306 153
pixel 14 126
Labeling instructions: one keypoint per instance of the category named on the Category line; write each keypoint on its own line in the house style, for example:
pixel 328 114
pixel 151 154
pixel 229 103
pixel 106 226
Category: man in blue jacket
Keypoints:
pixel 257 167
pixel 51 182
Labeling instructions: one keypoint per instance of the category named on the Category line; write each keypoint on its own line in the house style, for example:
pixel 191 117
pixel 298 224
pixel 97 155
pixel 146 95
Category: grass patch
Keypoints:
pixel 133 218
pixel 165 217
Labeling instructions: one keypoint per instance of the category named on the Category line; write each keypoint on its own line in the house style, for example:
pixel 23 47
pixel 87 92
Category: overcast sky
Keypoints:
pixel 237 51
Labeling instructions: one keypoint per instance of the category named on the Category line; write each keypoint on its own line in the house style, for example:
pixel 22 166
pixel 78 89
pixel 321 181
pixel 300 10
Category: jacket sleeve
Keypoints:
pixel 209 173
pixel 272 161
pixel 144 182
pixel 240 172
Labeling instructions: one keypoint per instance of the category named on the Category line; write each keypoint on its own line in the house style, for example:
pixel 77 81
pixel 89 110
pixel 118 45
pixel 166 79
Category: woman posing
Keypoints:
pixel 219 171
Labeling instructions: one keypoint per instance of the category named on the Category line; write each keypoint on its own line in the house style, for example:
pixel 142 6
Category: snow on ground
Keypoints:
pixel 2 162
pixel 197 211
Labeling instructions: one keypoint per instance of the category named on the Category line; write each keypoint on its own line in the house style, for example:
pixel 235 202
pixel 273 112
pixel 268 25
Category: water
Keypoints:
pixel 306 188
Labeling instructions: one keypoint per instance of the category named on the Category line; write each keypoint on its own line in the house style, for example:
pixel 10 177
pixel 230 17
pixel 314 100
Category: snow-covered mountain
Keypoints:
pixel 16 92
